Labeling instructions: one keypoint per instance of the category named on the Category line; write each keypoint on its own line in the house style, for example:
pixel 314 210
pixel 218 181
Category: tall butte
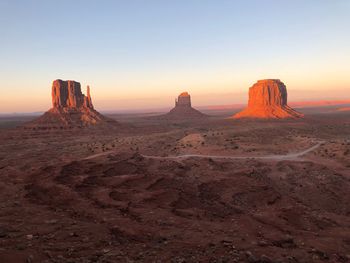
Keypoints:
pixel 183 109
pixel 70 109
pixel 68 95
pixel 268 100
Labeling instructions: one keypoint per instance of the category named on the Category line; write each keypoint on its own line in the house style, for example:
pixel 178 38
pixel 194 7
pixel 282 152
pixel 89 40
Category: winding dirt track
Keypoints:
pixel 289 156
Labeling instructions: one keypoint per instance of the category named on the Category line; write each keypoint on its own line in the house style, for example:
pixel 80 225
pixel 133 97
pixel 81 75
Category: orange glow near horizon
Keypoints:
pixel 155 95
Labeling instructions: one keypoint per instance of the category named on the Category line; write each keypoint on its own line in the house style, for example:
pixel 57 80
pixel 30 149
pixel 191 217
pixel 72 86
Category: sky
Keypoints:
pixel 140 54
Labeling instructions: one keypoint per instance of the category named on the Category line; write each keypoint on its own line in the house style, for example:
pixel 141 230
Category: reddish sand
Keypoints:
pixel 95 196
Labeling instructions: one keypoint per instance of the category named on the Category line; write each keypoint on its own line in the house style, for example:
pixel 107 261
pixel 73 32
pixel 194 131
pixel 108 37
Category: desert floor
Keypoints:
pixel 158 191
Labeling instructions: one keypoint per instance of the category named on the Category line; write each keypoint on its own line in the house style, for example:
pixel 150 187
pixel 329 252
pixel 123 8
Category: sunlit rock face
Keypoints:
pixel 183 100
pixel 70 109
pixel 183 109
pixel 268 99
pixel 266 93
pixel 67 94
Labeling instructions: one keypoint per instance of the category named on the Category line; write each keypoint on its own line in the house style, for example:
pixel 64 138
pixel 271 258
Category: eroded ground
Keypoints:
pixel 94 197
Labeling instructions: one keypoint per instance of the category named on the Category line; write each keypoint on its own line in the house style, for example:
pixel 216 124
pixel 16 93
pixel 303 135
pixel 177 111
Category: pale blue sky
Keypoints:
pixel 141 54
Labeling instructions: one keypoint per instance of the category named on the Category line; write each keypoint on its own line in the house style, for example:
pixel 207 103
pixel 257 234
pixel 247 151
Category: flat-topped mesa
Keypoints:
pixel 268 92
pixel 183 100
pixel 67 94
pixel 268 99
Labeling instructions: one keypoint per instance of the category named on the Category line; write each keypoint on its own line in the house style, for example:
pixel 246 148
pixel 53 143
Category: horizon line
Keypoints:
pixel 295 104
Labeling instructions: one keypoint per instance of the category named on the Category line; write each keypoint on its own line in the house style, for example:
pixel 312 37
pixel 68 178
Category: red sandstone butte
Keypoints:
pixel 183 109
pixel 268 100
pixel 67 94
pixel 70 109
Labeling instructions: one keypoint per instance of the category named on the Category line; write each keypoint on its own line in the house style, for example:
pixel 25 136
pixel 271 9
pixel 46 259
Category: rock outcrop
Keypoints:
pixel 183 109
pixel 268 100
pixel 183 100
pixel 70 109
pixel 67 94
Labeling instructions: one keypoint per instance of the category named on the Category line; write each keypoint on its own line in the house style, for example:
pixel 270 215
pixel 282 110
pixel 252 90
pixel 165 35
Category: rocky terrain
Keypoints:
pixel 183 109
pixel 70 109
pixel 268 99
pixel 115 196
